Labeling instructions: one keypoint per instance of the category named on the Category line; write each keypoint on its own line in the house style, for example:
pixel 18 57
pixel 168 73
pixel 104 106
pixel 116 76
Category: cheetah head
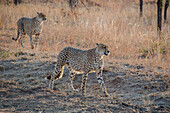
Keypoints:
pixel 102 49
pixel 41 16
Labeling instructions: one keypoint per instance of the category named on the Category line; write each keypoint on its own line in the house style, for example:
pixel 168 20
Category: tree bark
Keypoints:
pixel 73 3
pixel 165 10
pixel 17 1
pixel 141 8
pixel 159 16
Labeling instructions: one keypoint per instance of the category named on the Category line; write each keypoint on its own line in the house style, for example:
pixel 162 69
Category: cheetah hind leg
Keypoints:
pixel 21 41
pixel 56 75
pixel 71 78
pixel 51 84
pixel 20 32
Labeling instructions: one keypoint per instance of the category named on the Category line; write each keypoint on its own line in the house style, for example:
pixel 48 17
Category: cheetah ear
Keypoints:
pixel 38 13
pixel 97 44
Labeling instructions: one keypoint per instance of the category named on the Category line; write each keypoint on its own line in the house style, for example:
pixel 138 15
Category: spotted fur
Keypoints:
pixel 30 26
pixel 80 61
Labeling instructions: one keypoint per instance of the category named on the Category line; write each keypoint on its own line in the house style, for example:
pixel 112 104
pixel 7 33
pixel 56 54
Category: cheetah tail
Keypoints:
pixel 48 77
pixel 15 39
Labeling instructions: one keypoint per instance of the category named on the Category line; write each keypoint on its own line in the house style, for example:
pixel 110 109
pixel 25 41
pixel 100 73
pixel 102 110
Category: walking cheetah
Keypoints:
pixel 80 61
pixel 30 26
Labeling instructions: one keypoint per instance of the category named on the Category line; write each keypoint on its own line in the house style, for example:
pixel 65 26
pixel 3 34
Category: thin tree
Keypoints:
pixel 165 10
pixel 159 16
pixel 141 8
pixel 159 24
pixel 73 3
pixel 17 1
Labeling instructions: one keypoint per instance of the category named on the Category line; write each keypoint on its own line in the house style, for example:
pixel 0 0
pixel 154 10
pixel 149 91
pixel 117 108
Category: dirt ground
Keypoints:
pixel 133 88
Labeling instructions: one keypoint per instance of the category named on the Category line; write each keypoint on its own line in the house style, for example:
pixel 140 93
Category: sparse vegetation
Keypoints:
pixel 153 50
pixel 136 72
pixel 4 54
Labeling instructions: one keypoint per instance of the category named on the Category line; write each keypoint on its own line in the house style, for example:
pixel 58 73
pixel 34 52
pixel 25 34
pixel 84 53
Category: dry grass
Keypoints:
pixel 117 25
pixel 139 81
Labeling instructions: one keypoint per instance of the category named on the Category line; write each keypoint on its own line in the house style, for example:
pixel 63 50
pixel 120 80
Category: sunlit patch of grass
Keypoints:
pixel 4 54
pixel 153 50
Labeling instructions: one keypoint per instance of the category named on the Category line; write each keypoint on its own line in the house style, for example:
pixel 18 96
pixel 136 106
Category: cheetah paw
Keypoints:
pixel 75 90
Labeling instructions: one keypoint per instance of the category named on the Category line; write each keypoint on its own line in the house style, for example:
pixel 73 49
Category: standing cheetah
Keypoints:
pixel 80 61
pixel 30 26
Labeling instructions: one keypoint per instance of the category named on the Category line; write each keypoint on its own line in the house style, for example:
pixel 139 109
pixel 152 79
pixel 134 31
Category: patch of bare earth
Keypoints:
pixel 133 88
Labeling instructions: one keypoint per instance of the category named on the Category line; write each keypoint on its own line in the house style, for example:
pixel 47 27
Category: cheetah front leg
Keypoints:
pixel 31 43
pixel 51 85
pixel 84 81
pixel 36 40
pixel 101 81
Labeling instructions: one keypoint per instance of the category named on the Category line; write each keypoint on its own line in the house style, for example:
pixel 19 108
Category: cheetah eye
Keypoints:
pixel 104 47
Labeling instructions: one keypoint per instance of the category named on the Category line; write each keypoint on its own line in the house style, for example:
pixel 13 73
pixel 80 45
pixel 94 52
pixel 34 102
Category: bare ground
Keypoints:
pixel 133 88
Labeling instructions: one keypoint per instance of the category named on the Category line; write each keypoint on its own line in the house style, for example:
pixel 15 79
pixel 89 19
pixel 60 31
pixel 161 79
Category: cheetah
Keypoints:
pixel 30 26
pixel 80 62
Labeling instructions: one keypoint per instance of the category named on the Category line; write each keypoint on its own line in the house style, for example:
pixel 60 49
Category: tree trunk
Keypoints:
pixel 17 1
pixel 73 3
pixel 165 11
pixel 141 8
pixel 159 16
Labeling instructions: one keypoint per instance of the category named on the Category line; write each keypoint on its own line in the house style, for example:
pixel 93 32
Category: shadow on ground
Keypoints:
pixel 133 88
